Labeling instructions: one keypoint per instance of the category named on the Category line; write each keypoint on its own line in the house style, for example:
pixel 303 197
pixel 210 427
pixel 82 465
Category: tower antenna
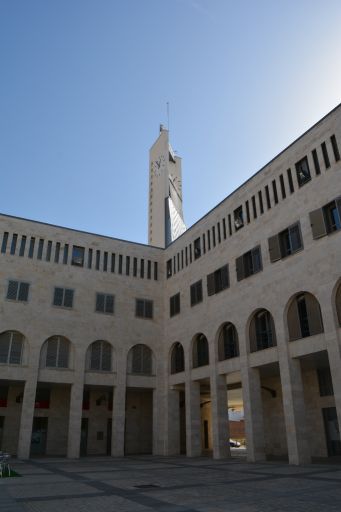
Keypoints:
pixel 168 115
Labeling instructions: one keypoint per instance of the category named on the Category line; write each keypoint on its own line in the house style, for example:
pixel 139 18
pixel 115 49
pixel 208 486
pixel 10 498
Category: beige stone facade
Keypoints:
pixel 106 347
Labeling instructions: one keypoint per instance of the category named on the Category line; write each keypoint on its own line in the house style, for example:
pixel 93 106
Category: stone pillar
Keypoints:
pixel 119 410
pixel 27 413
pixel 172 434
pixel 220 421
pixel 193 419
pixel 75 416
pixel 253 410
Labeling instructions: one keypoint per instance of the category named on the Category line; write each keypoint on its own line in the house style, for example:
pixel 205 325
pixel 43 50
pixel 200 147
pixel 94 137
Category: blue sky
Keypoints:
pixel 84 85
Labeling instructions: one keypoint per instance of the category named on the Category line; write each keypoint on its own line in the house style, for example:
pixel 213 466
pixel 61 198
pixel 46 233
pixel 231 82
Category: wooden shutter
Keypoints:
pixel 256 259
pixel 68 298
pixel 317 223
pixel 293 319
pixel 100 302
pixel 274 248
pixel 225 277
pixel 240 268
pixel 23 291
pixel 314 314
pixel 210 284
pixel 12 290
pixel 109 303
pixel 58 297
pixel 149 309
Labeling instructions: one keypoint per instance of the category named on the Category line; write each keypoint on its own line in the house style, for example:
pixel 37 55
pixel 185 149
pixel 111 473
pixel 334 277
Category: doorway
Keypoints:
pixel 331 427
pixel 39 436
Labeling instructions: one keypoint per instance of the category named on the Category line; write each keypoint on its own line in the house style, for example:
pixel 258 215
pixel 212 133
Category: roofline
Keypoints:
pixel 255 174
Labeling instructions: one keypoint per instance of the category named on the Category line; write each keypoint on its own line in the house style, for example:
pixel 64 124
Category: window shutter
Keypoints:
pixel 51 353
pixel 240 268
pixel 294 326
pixel 139 308
pixel 100 302
pixel 16 348
pixel 314 315
pixel 338 204
pixel 58 297
pixel 5 339
pixel 256 259
pixel 63 354
pixel 12 290
pixel 317 223
pixel 295 237
pixel 225 277
pixel 106 357
pixel 148 308
pixel 274 248
pixel 68 298
pixel 23 291
pixel 192 295
pixel 109 304
pixel 210 284
pixel 95 356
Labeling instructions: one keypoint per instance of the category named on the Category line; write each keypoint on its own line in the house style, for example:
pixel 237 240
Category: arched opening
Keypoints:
pixel 140 360
pixel 11 347
pixel 228 346
pixel 177 358
pixel 200 351
pixel 55 353
pixel 99 356
pixel 304 316
pixel 262 331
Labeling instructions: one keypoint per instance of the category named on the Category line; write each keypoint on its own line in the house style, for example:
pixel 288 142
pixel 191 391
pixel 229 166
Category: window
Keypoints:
pixel 4 243
pixel 128 266
pixel 208 239
pixel 249 263
pixel 55 352
pixel 105 261
pixel 14 244
pixel 229 223
pixel 63 297
pixel 224 231
pixel 267 196
pixel 316 162
pixel 325 155
pixel 335 148
pixel 302 171
pixel 262 331
pixel 140 360
pixel 254 207
pixel 228 342
pixel 135 267
pixel 18 291
pixel 113 258
pixel 105 303
pixel 48 250
pixel 274 189
pixel 100 356
pixel 78 256
pixel 174 304
pixel 327 219
pixel 219 233
pixel 290 180
pixel 169 266
pixel 196 293
pixel 66 254
pixel 98 259
pixel 57 252
pixel 325 382
pixel 142 269
pixel 90 252
pixel 31 248
pixel 155 267
pixel 213 236
pixel 40 249
pixel 11 347
pixel 260 198
pixel 144 308
pixel 238 218
pixel 200 351
pixel 23 245
pixel 218 280
pixel 197 249
pixel 120 263
pixel 285 243
pixel 281 180
pixel 304 317
pixel 177 359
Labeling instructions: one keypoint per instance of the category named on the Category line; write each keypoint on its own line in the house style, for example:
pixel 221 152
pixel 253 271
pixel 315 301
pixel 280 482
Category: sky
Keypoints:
pixel 84 85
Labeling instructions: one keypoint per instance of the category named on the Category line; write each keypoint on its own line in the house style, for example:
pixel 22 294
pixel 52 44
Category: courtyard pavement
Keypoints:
pixel 169 484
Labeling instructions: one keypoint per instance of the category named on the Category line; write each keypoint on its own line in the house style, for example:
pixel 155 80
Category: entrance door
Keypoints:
pixel 39 436
pixel 84 437
pixel 331 428
pixel 2 421
pixel 109 432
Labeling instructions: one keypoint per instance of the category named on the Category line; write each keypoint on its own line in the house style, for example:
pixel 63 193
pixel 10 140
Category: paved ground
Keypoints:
pixel 169 484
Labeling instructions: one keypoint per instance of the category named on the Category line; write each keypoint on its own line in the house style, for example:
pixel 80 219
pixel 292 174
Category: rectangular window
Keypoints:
pixel 316 162
pixel 260 198
pixel 14 244
pixel 18 291
pixel 247 208
pixel 90 252
pixel 224 228
pixel 327 219
pixel 120 263
pixel 135 267
pixel 249 263
pixel 218 280
pixel 281 181
pixel 105 303
pixel 98 259
pixel 155 271
pixel 197 249
pixel 190 253
pixel 105 261
pixel 290 180
pixel 142 269
pixel 63 297
pixel 208 239
pixel 267 197
pixel 128 265
pixel 77 258
pixel 144 308
pixel 174 263
pixel 230 224
pixel 178 261
pixel 40 249
pixel 169 268
pixel 49 250
pixel 57 252
pixel 335 148
pixel 285 243
pixel 174 305
pixel 113 259
pixel 31 248
pixel 302 171
pixel 253 200
pixel 218 231
pixel 22 246
pixel 204 243
pixel 4 243
pixel 274 189
pixel 238 218
pixel 196 293
pixel 186 256
pixel 325 155
pixel 66 254
pixel 213 236
pixel 149 269
pixel 182 259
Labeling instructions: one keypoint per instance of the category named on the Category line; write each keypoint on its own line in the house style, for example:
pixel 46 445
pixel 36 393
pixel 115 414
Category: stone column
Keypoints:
pixel 220 421
pixel 253 411
pixel 172 439
pixel 75 416
pixel 27 413
pixel 193 419
pixel 119 409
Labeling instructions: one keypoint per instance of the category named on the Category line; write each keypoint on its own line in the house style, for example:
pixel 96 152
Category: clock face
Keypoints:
pixel 159 165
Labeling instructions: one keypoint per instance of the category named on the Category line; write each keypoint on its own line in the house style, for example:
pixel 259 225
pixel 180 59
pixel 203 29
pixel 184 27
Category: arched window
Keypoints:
pixel 200 351
pixel 304 317
pixel 177 359
pixel 100 356
pixel 11 347
pixel 262 331
pixel 228 342
pixel 338 304
pixel 55 353
pixel 140 360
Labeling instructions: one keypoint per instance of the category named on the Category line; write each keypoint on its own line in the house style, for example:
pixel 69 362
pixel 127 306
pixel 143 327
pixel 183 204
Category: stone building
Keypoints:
pixel 113 347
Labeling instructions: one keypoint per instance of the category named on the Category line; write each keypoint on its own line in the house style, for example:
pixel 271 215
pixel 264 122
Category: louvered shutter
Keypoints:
pixel 63 353
pixel 295 237
pixel 100 302
pixel 317 223
pixel 274 248
pixel 210 284
pixel 149 309
pixel 95 360
pixel 240 268
pixel 109 304
pixel 5 340
pixel 51 353
pixel 23 291
pixel 314 315
pixel 68 298
pixel 12 290
pixel 294 325
pixel 199 291
pixel 225 277
pixel 16 348
pixel 58 297
pixel 106 357
pixel 256 260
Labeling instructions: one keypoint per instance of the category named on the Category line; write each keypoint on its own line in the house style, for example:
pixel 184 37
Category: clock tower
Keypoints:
pixel 165 219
